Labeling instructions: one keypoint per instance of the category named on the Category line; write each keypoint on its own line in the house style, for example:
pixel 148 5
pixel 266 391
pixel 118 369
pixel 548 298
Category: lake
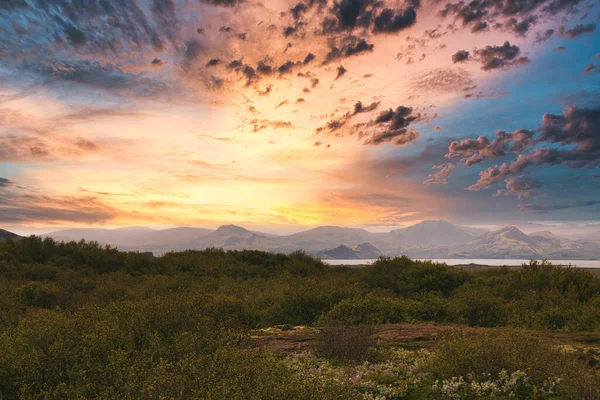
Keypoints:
pixel 480 261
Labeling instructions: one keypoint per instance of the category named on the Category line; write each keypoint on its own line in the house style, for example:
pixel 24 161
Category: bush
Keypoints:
pixel 345 343
pixel 36 294
pixel 496 353
pixel 369 310
pixel 478 307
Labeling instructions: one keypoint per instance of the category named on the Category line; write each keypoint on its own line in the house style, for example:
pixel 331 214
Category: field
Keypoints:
pixel 81 321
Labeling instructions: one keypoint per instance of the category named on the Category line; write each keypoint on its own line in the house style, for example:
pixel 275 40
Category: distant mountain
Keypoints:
pixel 367 251
pixel 432 233
pixel 428 239
pixel 231 237
pixel 417 240
pixel 594 236
pixel 324 237
pixel 363 251
pixel 557 247
pixel 508 242
pixel 7 235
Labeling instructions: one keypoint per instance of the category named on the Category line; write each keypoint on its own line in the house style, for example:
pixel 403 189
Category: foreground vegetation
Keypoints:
pixel 81 321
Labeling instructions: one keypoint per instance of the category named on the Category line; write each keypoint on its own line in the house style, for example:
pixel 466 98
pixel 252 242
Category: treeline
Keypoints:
pixel 80 320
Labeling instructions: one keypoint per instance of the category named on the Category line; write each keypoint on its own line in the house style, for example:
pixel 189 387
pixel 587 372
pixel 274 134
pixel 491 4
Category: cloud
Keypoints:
pixel 259 125
pixel 474 12
pixel 444 170
pixel 590 69
pixel 389 21
pixel 515 142
pixel 368 14
pixel 544 36
pixel 340 72
pixel 460 56
pixel 4 182
pixel 520 28
pixel 480 26
pixel 435 181
pixel 442 80
pixel 22 205
pixel 337 123
pixel 350 46
pixel 577 30
pixel 500 57
pixel 393 127
pixel 575 131
pixel 522 187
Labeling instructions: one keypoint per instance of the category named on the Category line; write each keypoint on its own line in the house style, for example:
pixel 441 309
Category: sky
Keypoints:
pixel 284 115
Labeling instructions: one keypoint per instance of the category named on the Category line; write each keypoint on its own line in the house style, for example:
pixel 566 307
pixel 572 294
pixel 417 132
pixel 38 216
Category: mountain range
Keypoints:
pixel 427 239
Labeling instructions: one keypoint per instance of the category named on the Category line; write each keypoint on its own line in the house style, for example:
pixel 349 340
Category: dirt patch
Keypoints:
pixel 285 340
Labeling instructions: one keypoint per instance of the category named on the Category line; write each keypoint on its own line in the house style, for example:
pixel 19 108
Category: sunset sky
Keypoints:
pixel 283 115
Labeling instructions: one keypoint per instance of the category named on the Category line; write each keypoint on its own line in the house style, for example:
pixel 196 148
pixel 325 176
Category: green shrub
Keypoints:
pixel 369 310
pixel 489 354
pixel 36 294
pixel 478 307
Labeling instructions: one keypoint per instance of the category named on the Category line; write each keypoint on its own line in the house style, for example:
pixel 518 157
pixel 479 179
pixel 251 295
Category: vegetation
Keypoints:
pixel 83 321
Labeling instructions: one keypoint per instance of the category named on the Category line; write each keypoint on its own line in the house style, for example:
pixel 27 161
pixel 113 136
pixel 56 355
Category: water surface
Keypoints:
pixel 481 261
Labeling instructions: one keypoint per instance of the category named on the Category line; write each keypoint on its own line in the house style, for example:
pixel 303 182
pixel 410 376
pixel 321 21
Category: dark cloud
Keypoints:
pixel 212 62
pixel 289 30
pixel 222 3
pixel 93 74
pixel 4 182
pixel 520 28
pixel 308 59
pixel 460 56
pixel 480 26
pixel 399 137
pixel 516 16
pixel 500 57
pixel 337 123
pixel 75 36
pixel 348 15
pixel 340 71
pixel 13 4
pixel 577 30
pixel 350 46
pixel 579 127
pixel 470 13
pixel 298 10
pixel 393 126
pixel 389 21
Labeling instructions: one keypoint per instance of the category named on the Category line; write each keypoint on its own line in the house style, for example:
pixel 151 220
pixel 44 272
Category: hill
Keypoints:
pixel 4 234
pixel 363 251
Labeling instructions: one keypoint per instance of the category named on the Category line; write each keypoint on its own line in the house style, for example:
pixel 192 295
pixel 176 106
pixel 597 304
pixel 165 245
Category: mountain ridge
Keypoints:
pixel 427 239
